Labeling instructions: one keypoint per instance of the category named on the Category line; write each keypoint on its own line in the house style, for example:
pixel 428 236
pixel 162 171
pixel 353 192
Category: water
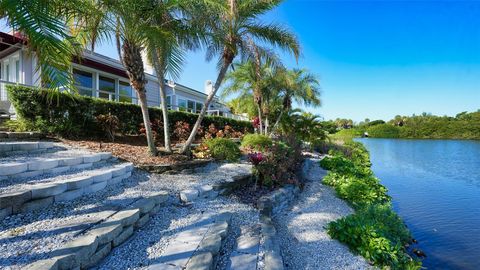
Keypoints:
pixel 435 185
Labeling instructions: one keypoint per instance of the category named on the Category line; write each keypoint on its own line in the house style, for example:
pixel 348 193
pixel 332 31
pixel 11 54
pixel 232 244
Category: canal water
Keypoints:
pixel 435 187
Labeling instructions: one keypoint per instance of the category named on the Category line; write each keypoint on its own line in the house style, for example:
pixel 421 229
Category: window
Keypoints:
pixel 182 104
pixel 84 81
pixel 17 71
pixel 169 102
pixel 199 107
pixel 191 106
pixel 125 91
pixel 106 87
pixel 7 72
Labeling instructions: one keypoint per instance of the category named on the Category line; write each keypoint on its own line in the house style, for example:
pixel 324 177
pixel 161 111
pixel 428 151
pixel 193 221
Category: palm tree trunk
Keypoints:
pixel 211 95
pixel 157 62
pixel 276 123
pixel 260 120
pixel 133 63
pixel 142 97
pixel 266 125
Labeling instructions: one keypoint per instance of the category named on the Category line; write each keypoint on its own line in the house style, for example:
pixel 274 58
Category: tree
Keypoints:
pixel 172 32
pixel 233 27
pixel 296 85
pixel 132 23
pixel 41 24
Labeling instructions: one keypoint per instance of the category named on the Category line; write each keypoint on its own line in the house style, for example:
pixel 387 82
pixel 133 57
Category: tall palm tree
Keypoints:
pixel 296 85
pixel 166 49
pixel 251 79
pixel 233 27
pixel 130 22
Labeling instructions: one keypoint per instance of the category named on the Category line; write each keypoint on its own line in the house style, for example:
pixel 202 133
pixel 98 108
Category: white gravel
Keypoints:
pixel 25 157
pixel 32 236
pixel 301 229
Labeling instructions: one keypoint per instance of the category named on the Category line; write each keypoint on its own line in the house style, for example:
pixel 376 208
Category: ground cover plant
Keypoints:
pixel 374 231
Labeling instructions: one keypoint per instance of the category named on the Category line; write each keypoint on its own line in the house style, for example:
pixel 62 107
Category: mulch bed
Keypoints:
pixel 130 149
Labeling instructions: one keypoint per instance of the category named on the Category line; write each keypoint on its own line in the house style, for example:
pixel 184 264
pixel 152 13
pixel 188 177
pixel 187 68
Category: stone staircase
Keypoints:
pixel 63 208
pixel 66 208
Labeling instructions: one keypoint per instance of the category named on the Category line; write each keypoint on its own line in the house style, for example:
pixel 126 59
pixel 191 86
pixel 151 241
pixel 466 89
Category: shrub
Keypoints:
pixel 375 231
pixel 223 149
pixel 279 164
pixel 109 124
pixel 383 131
pixel 181 131
pixel 378 234
pixel 73 115
pixel 256 142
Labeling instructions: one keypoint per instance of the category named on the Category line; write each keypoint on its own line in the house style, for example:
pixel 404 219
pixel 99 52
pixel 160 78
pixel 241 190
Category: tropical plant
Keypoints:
pixel 223 149
pixel 40 24
pixel 298 85
pixel 256 142
pixel 234 29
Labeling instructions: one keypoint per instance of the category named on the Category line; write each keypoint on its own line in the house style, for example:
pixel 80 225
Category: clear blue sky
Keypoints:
pixel 377 59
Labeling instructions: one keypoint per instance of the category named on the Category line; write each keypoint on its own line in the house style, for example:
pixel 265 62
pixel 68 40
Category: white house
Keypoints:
pixel 99 76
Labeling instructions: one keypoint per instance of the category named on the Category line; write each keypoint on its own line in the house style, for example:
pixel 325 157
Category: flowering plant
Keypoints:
pixel 255 158
pixel 256 122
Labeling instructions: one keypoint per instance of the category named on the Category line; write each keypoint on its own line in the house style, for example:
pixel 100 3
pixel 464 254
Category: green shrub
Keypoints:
pixel 223 149
pixel 378 234
pixel 374 231
pixel 383 131
pixel 73 115
pixel 256 142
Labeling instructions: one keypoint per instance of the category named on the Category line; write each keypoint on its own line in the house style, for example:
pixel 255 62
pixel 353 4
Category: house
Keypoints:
pixel 100 76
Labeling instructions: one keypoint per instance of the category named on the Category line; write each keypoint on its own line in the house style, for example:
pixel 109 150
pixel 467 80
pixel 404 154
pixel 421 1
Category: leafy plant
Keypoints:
pixel 109 123
pixel 256 142
pixel 223 149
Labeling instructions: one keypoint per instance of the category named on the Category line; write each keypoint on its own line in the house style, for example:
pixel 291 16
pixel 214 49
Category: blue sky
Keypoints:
pixel 377 59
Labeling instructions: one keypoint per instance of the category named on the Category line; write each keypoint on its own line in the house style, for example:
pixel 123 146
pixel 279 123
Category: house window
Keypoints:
pixel 199 107
pixel 7 72
pixel 191 106
pixel 106 87
pixel 17 71
pixel 182 104
pixel 169 102
pixel 125 92
pixel 84 81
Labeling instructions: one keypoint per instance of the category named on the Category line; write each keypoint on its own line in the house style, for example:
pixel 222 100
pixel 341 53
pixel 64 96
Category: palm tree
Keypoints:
pixel 166 47
pixel 131 22
pixel 296 85
pixel 233 27
pixel 42 24
pixel 251 79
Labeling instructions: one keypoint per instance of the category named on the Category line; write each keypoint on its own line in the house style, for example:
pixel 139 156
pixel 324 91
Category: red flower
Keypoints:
pixel 255 158
pixel 256 122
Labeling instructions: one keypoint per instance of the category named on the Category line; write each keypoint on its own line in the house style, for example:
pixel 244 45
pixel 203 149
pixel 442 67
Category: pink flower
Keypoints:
pixel 256 122
pixel 255 158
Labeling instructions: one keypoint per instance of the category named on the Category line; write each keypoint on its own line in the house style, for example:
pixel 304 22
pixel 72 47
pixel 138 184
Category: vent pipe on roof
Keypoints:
pixel 208 87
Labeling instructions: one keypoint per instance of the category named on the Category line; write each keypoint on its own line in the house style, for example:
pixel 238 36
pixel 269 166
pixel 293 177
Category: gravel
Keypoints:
pixel 301 229
pixel 32 236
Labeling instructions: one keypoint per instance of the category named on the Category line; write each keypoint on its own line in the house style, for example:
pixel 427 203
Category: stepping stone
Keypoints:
pixel 188 195
pixel 241 261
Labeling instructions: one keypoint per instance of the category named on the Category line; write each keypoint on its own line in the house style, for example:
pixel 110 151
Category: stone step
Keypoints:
pixel 95 242
pixel 30 167
pixel 195 247
pixel 9 147
pixel 41 195
pixel 246 253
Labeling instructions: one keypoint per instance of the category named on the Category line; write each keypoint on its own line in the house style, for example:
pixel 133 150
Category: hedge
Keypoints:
pixel 74 115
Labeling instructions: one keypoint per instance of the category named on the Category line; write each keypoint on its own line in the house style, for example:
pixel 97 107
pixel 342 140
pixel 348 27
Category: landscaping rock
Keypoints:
pixel 12 168
pixel 242 261
pixel 211 243
pixel 127 232
pixel 15 199
pixel 126 217
pixel 106 232
pixel 178 253
pixel 79 182
pixel 47 190
pixel 200 261
pixel 94 187
pixel 43 164
pixel 36 205
pixel 188 195
pixel 102 252
pixel 69 195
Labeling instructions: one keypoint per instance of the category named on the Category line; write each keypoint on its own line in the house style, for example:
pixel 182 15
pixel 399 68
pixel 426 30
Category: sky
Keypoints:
pixel 377 59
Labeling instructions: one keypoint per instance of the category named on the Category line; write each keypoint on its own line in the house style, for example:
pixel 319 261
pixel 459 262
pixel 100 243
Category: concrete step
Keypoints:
pixel 195 247
pixel 20 147
pixel 54 163
pixel 25 198
pixel 99 234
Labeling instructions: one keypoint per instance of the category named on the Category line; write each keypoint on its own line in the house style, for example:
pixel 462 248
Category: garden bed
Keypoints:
pixel 128 149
